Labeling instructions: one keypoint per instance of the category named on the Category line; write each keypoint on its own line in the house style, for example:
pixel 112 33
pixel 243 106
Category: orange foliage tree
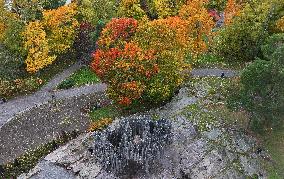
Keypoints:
pixel 232 9
pixel 121 63
pixel 200 25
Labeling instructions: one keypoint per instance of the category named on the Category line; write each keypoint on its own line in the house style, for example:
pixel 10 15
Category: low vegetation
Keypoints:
pixel 84 76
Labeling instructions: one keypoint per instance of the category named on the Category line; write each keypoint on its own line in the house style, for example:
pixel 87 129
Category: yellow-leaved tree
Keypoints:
pixel 45 39
pixel 132 9
pixel 37 47
pixel 60 25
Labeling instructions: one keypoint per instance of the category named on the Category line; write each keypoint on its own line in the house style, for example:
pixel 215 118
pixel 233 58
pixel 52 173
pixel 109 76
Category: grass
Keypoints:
pixel 274 143
pixel 81 77
pixel 211 61
pixel 109 111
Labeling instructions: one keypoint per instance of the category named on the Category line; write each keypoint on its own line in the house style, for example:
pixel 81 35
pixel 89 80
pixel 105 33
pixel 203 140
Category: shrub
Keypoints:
pixel 92 11
pixel 9 89
pixel 261 91
pixel 241 40
pixel 271 44
pixel 66 84
pixel 53 4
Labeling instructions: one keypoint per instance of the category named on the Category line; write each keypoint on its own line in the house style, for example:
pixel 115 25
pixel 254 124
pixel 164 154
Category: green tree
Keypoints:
pixel 94 10
pixel 261 91
pixel 53 4
pixel 242 39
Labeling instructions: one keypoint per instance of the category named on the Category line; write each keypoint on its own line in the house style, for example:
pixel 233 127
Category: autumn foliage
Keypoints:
pixel 121 63
pixel 280 24
pixel 200 25
pixel 143 60
pixel 45 39
pixel 232 9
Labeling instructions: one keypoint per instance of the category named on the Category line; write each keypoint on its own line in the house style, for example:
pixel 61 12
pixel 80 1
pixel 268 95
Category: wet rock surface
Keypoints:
pixel 217 152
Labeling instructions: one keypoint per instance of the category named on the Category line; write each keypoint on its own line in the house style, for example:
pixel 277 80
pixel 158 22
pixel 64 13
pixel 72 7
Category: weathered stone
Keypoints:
pixel 217 153
pixel 47 170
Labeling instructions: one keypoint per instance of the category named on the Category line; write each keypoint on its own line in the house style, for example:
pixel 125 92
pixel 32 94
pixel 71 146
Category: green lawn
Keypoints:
pixel 81 77
pixel 211 61
pixel 274 143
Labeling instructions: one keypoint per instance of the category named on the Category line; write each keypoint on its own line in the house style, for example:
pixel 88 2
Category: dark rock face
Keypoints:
pixel 135 144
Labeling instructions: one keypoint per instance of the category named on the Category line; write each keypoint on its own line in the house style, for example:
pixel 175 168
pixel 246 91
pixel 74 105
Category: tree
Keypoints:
pixel 241 40
pixel 261 90
pixel 232 9
pixel 49 37
pixel 200 25
pixel 131 9
pixel 52 4
pixel 93 11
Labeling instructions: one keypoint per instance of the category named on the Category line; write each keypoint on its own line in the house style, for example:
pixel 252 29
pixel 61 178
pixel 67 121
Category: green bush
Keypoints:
pixel 53 4
pixel 241 40
pixel 92 11
pixel 271 44
pixel 261 91
pixel 13 39
pixel 217 4
pixel 131 9
pixel 66 84
pixel 11 88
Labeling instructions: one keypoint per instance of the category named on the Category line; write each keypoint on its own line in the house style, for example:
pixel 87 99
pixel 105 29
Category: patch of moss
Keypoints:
pixel 110 111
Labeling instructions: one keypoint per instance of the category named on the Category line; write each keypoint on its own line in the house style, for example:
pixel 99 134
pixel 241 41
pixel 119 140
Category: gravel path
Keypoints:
pixel 24 103
pixel 11 108
pixel 61 77
pixel 213 72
